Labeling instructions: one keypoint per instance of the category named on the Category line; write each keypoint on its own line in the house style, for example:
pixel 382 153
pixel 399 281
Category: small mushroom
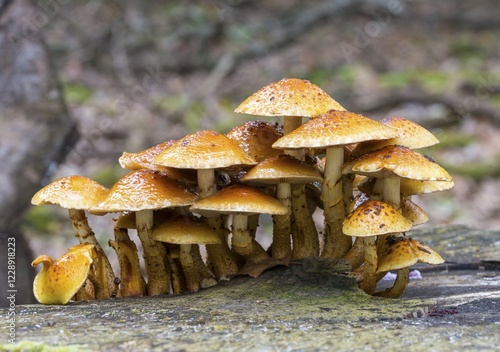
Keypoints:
pixel 368 220
pixel 186 231
pixel 402 254
pixel 142 191
pixel 77 194
pixel 60 280
pixel 240 201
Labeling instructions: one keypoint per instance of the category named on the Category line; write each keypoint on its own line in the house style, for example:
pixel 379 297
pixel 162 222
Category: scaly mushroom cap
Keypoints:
pixel 186 230
pixel 144 160
pixel 395 160
pixel 256 138
pixel 374 217
pixel 334 128
pixel 282 169
pixel 405 253
pixel 289 97
pixel 203 150
pixel 424 253
pixel 145 189
pixel 239 199
pixel 408 187
pixel 58 281
pixel 71 192
pixel 400 255
pixel 410 134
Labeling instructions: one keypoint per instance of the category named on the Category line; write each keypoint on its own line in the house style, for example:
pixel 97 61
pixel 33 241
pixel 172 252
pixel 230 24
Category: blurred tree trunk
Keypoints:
pixel 36 131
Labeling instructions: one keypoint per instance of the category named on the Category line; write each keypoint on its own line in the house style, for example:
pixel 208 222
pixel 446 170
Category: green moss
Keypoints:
pixel 33 346
pixel 76 93
pixel 40 220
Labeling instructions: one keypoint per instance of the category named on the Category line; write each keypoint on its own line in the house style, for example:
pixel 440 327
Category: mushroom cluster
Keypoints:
pixel 207 190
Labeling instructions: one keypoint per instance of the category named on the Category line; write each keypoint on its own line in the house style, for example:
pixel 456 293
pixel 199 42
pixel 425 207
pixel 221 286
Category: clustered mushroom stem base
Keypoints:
pixel 131 281
pixel 156 270
pixel 281 247
pixel 305 235
pixel 102 277
pixel 370 265
pixel 336 244
pixel 355 256
pixel 399 286
pixel 243 243
pixel 205 275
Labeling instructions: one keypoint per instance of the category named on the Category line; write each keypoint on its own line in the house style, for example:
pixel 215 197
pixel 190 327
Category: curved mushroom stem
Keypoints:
pixel 189 268
pixel 220 256
pixel 156 271
pixel 399 286
pixel 131 281
pixel 243 243
pixel 102 276
pixel 305 236
pixel 205 275
pixel 370 265
pixel 336 244
pixel 355 256
pixel 281 247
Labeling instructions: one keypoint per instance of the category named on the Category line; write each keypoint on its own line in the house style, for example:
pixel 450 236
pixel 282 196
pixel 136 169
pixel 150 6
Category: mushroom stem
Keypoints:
pixel 370 265
pixel 131 281
pixel 205 275
pixel 399 286
pixel 291 123
pixel 156 271
pixel 390 194
pixel 305 238
pixel 253 223
pixel 102 275
pixel 355 256
pixel 243 243
pixel 220 256
pixel 177 276
pixel 281 247
pixel 189 268
pixel 336 244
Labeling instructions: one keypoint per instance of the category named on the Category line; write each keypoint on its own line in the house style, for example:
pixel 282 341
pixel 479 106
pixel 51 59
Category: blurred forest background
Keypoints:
pixel 83 81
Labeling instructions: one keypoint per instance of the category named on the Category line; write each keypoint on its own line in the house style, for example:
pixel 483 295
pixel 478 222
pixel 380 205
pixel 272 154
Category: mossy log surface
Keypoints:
pixel 307 306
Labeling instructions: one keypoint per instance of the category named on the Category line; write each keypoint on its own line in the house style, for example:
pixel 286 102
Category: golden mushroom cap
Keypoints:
pixel 374 217
pixel 239 199
pixel 144 160
pixel 256 138
pixel 334 128
pixel 71 192
pixel 203 150
pixel 406 252
pixel 145 189
pixel 186 230
pixel 282 169
pixel 59 280
pixel 289 97
pixel 395 160
pixel 413 212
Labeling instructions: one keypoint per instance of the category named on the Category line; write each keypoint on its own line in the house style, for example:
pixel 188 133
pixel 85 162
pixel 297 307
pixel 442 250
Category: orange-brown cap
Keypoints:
pixel 186 230
pixel 239 199
pixel 374 217
pixel 334 128
pixel 58 281
pixel 145 189
pixel 256 138
pixel 395 160
pixel 282 169
pixel 289 97
pixel 408 187
pixel 71 192
pixel 406 252
pixel 413 212
pixel 203 150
